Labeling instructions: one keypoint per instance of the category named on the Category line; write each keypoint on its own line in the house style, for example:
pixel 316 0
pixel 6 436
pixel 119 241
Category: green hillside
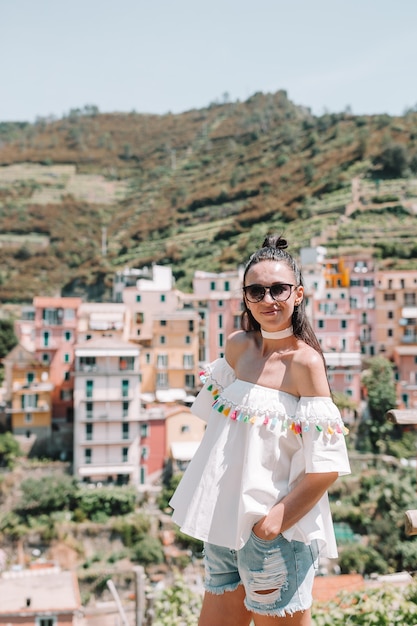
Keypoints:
pixel 90 193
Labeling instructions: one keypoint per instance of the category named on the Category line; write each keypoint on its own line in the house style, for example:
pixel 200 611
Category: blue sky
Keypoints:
pixel 155 56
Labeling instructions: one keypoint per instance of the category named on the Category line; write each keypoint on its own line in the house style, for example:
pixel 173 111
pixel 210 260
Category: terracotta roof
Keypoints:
pixel 326 588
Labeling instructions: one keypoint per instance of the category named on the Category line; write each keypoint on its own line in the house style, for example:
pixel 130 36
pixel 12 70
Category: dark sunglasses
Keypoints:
pixel 280 292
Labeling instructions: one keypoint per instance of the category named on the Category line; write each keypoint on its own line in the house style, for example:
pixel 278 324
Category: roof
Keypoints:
pixel 106 344
pixel 184 450
pixel 30 591
pixel 406 416
pixel 326 588
pixel 65 303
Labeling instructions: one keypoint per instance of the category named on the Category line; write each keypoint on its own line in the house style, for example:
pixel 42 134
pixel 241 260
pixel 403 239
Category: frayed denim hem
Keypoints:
pixel 271 611
pixel 218 591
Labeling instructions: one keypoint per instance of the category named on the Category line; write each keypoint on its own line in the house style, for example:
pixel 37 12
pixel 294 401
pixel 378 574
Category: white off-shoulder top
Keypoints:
pixel 258 445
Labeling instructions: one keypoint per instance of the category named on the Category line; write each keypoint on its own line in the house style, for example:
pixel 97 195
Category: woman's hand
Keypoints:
pixel 269 526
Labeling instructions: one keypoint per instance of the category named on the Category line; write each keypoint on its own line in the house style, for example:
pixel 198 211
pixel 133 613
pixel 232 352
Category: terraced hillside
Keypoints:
pixel 83 196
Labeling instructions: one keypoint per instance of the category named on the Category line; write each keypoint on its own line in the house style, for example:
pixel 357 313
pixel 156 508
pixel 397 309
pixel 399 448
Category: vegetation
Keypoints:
pixel 378 380
pixel 9 450
pixel 212 180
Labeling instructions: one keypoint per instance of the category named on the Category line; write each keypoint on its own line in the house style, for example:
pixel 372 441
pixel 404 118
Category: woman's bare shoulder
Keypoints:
pixel 310 372
pixel 237 342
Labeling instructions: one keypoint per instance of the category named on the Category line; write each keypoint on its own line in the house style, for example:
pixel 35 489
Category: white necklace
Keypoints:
pixel 278 334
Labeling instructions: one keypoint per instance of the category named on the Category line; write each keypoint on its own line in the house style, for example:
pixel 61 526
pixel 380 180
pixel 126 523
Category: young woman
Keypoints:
pixel 256 490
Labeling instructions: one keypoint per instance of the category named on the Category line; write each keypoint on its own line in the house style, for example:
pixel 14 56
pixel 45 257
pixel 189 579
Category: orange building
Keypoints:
pixel 28 393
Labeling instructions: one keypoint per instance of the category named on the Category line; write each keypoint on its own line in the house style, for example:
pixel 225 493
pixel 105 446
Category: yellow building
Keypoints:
pixel 28 393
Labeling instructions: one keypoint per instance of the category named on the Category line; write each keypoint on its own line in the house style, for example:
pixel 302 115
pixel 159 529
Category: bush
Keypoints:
pixel 177 606
pixel 148 550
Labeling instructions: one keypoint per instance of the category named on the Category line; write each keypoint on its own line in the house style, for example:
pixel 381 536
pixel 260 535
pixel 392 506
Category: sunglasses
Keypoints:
pixel 280 292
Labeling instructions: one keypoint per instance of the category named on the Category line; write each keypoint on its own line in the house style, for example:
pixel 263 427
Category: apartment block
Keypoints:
pixel 107 411
pixel 396 310
pixel 28 393
pixel 55 326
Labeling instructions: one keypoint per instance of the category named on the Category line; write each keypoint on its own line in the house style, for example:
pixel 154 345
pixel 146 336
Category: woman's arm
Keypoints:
pixel 295 505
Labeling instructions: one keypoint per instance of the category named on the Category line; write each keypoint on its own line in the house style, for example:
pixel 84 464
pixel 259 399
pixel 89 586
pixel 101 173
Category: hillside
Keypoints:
pixel 88 194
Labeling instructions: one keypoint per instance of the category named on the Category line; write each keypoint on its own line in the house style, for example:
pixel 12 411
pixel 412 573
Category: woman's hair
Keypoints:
pixel 274 249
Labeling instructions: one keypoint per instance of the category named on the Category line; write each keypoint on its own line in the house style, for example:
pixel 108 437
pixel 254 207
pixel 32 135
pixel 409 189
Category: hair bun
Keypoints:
pixel 275 241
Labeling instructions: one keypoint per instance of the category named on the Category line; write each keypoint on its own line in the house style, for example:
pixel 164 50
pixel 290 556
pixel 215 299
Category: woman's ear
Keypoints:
pixel 299 295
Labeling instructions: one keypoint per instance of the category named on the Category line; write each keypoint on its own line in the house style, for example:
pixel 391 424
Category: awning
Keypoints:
pixel 183 450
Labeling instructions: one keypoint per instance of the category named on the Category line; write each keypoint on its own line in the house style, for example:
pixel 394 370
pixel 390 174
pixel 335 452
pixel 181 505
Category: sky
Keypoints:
pixel 160 56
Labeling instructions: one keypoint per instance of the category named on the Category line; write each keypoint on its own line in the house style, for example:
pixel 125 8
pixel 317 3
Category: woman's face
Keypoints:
pixel 273 314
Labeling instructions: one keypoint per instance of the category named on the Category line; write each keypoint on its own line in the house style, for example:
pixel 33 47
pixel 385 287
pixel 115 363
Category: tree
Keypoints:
pixel 8 339
pixel 9 450
pixel 394 160
pixel 380 387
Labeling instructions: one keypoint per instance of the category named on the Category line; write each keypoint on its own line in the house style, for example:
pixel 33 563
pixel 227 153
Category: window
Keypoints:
pixel 89 409
pixel 125 455
pixel 138 297
pixel 46 336
pixel 185 428
pixel 126 363
pixel 89 384
pixel 144 455
pixel 187 339
pixel 46 621
pixel 320 323
pixel 88 455
pixel 29 400
pixel 66 395
pixel 221 340
pixel 220 303
pixel 226 285
pixel 162 361
pixel 390 332
pixel 45 358
pixel 87 363
pixel 390 315
pixel 390 283
pixel 163 323
pixel 125 409
pixel 162 297
pixel 30 377
pixel 67 335
pixel 162 339
pixel 144 431
pixel 188 361
pixel 125 430
pixel 125 388
pixel 53 317
pixel 89 432
pixel 191 326
pixel 161 380
pixel 409 299
pixel 220 321
pixel 190 381
pixel 69 314
pixel 343 324
pixel 212 286
pixel 389 297
pixel 67 357
pixel 28 418
pixel 140 318
pixel 67 376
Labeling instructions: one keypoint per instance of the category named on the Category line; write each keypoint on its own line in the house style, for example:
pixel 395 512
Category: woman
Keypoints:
pixel 256 490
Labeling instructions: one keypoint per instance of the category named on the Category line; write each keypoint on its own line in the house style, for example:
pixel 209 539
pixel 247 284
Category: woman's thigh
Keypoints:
pixel 226 609
pixel 278 577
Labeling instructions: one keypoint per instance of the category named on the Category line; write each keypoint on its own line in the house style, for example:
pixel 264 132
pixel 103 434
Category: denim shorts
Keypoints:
pixel 277 575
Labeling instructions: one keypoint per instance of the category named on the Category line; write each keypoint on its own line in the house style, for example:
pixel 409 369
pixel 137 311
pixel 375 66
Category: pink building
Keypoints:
pixel 218 299
pixel 152 443
pixel 55 327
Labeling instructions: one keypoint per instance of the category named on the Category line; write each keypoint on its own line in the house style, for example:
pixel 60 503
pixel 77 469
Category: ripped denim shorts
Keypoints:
pixel 277 575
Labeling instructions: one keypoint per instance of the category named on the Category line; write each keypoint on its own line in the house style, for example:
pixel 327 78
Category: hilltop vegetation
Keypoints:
pixel 90 193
